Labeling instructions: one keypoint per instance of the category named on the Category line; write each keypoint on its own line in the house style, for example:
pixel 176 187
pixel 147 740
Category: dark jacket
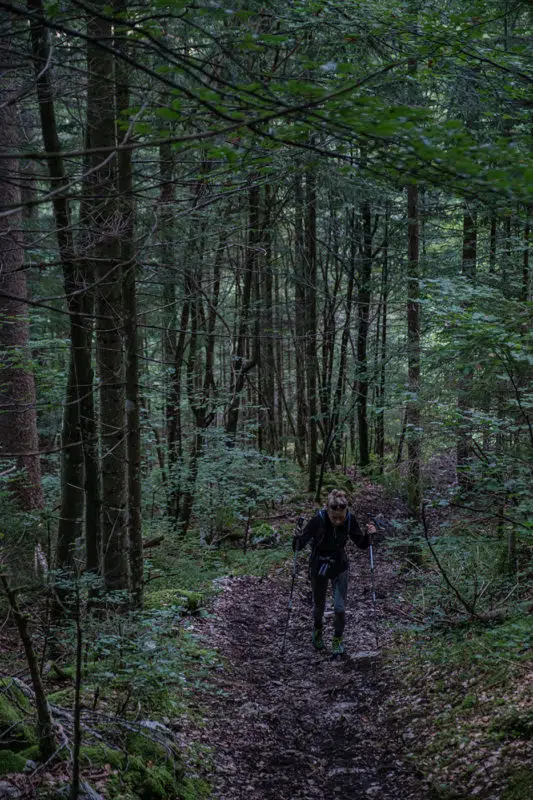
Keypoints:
pixel 327 540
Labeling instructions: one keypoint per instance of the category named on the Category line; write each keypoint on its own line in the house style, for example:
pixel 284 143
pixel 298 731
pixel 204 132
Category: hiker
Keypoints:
pixel 329 531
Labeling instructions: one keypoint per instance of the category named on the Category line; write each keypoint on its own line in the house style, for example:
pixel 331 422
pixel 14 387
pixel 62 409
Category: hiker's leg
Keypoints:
pixel 340 591
pixel 320 587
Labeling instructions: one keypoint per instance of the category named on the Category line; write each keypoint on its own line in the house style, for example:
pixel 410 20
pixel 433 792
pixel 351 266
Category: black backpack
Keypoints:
pixel 326 564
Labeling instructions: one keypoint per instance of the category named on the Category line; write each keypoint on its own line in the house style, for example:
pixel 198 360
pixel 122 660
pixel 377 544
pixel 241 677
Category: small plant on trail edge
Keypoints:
pixel 233 485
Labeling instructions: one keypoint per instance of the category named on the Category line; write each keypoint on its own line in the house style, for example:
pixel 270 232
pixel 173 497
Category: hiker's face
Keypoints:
pixel 337 512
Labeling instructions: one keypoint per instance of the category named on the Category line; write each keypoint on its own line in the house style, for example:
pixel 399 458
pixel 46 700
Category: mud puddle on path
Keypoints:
pixel 301 725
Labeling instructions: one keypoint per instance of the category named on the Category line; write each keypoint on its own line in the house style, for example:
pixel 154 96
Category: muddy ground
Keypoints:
pixel 301 724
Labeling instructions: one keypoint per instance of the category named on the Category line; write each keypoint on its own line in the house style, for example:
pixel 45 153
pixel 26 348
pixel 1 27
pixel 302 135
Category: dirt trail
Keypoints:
pixel 304 726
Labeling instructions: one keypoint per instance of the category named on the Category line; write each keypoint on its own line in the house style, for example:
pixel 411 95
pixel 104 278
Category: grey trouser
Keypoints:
pixel 339 584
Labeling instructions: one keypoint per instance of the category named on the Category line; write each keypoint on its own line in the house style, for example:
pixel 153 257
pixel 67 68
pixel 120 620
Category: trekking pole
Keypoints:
pixel 373 587
pixel 289 608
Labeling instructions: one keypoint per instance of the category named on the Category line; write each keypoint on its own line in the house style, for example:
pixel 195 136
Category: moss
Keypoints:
pixel 157 783
pixel 183 598
pixel 336 480
pixel 31 753
pixel 138 745
pixel 14 710
pixel 100 755
pixel 520 786
pixel 140 780
pixel 63 697
pixel 195 789
pixel 11 762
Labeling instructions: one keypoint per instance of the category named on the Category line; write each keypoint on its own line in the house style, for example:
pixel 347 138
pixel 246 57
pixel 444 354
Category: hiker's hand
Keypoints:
pixel 296 543
pixel 371 529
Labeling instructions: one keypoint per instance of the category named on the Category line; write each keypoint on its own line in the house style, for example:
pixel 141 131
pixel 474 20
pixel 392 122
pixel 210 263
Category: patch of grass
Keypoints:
pixel 520 786
pixel 473 643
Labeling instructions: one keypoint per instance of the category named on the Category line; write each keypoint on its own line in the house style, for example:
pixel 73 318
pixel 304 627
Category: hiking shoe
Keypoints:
pixel 337 646
pixel 318 641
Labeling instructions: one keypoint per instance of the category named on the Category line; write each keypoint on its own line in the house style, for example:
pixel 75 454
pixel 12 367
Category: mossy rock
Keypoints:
pixel 31 753
pixel 520 786
pixel 15 731
pixel 336 480
pixel 11 762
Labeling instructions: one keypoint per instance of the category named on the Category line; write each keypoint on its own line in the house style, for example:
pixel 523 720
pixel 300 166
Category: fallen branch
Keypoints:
pixel 155 542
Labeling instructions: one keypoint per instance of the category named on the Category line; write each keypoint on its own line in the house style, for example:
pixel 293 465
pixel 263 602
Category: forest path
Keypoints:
pixel 303 725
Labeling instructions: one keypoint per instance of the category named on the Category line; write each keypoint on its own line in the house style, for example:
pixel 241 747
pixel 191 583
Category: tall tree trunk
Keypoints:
pixel 464 396
pixel 105 252
pixel 524 295
pixel 18 419
pixel 363 308
pixel 171 368
pixel 336 431
pixel 79 381
pixel 380 392
pixel 302 413
pixel 311 324
pixel 241 367
pixel 268 363
pixel 129 271
pixel 412 411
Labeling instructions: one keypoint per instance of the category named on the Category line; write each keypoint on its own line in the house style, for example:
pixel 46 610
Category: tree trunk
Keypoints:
pixel 268 363
pixel 302 413
pixel 380 392
pixel 412 411
pixel 311 324
pixel 18 419
pixel 363 309
pixel 240 367
pixel 464 395
pixel 105 252
pixel 129 271
pixel 79 381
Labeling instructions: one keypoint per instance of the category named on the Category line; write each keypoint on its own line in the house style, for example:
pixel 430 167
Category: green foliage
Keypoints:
pixel 183 600
pixel 11 762
pixel 234 484
pixel 195 789
pixel 514 723
pixel 520 786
